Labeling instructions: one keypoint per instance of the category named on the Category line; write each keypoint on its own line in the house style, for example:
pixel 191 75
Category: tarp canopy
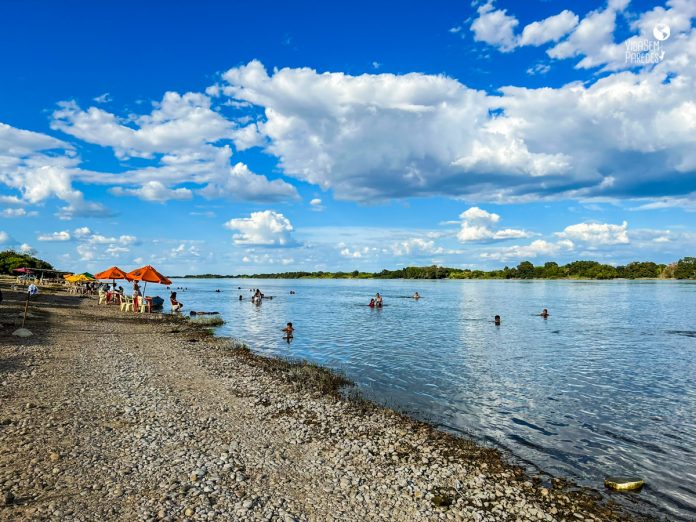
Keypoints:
pixel 23 270
pixel 112 273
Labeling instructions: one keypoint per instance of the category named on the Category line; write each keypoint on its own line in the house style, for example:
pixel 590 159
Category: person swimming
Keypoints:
pixel 544 313
pixel 416 295
pixel 372 303
pixel 240 297
pixel 496 320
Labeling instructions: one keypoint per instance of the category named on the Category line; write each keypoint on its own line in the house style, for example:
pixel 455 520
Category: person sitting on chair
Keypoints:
pixel 176 305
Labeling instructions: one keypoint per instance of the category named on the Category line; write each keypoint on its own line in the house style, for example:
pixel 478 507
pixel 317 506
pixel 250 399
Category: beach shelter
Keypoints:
pixel 23 270
pixel 148 274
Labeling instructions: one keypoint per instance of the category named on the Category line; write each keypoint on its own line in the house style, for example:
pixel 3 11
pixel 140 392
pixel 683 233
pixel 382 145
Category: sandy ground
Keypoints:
pixel 113 416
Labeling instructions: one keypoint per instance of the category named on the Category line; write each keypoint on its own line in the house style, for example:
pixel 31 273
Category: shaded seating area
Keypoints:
pixel 138 301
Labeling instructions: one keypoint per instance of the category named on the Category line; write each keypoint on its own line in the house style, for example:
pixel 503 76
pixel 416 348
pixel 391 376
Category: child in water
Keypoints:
pixel 372 303
pixel 288 331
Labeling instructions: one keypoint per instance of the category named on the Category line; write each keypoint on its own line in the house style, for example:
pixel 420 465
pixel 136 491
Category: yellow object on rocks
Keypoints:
pixel 624 483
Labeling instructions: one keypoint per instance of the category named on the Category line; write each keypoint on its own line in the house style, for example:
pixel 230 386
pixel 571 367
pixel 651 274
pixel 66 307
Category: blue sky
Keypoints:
pixel 269 136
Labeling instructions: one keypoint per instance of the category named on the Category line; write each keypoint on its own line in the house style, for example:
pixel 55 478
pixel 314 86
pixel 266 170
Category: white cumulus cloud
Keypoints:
pixel 154 191
pixel 539 247
pixel 478 225
pixel 265 228
pixel 495 27
pixel 178 122
pixel 550 29
pixel 63 235
pixel 597 233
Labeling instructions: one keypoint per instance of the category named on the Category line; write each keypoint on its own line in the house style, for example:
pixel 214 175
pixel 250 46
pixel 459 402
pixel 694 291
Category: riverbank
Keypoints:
pixel 106 415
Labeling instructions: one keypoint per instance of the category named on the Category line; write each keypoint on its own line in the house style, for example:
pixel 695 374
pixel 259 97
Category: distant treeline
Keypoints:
pixel 11 260
pixel 683 269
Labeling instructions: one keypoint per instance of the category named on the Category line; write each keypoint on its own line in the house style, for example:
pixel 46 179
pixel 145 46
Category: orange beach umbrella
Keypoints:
pixel 112 273
pixel 148 274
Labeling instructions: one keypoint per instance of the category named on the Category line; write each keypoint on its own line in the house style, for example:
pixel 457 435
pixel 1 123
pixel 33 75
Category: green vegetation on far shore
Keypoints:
pixel 11 260
pixel 683 269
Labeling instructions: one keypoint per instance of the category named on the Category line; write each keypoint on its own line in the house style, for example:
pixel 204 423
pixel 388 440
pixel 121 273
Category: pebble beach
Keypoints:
pixel 107 415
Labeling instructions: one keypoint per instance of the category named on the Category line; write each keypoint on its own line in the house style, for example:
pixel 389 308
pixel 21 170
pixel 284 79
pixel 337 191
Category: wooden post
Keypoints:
pixel 26 307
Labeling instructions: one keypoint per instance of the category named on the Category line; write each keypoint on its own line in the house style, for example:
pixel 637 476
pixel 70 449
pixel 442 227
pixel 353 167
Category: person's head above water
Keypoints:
pixel 497 319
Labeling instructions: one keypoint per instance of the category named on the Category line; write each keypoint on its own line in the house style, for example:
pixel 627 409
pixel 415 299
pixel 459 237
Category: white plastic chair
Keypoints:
pixel 126 304
pixel 144 305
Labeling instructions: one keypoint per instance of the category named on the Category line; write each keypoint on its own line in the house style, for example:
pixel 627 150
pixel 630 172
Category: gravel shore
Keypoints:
pixel 113 416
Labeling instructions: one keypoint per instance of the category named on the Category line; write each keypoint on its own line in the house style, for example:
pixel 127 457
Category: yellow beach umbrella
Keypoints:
pixel 79 278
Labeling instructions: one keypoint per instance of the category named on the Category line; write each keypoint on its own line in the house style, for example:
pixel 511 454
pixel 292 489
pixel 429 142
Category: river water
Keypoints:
pixel 605 385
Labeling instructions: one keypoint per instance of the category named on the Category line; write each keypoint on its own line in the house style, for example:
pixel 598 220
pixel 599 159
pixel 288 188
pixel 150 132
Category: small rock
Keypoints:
pixel 7 498
pixel 55 457
pixel 188 512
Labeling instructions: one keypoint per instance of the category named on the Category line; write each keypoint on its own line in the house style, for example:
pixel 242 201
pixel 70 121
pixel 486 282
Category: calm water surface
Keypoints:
pixel 605 385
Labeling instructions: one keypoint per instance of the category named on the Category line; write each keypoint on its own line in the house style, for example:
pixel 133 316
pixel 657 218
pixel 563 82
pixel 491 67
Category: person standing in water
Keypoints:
pixel 416 296
pixel 496 320
pixel 378 300
pixel 544 313
pixel 288 330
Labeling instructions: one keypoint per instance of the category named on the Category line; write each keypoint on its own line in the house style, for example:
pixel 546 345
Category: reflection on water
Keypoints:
pixel 604 386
